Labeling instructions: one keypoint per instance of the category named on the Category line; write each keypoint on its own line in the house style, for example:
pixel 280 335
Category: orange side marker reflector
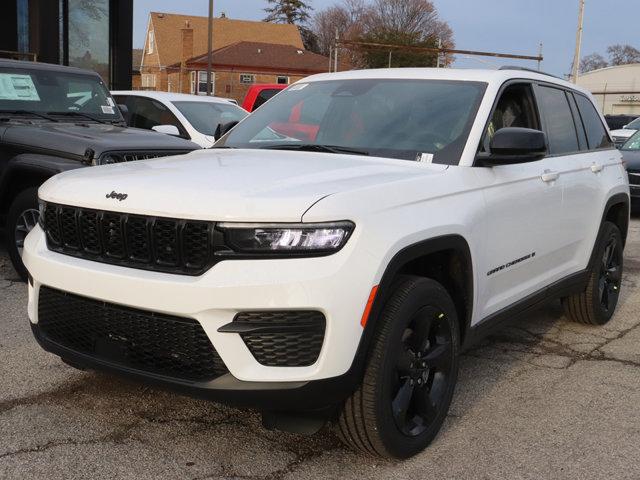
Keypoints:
pixel 367 309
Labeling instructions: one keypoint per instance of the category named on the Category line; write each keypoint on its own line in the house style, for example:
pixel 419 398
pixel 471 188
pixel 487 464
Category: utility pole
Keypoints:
pixel 540 57
pixel 209 47
pixel 335 58
pixel 576 57
pixel 439 48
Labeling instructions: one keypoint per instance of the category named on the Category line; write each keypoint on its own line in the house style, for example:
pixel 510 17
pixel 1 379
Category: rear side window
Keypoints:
pixel 561 129
pixel 596 133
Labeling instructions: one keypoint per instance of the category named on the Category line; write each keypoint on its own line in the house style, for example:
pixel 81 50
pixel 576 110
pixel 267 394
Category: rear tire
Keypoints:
pixel 597 303
pixel 411 374
pixel 23 216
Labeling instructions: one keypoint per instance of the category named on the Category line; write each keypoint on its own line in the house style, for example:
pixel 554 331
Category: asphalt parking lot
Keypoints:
pixel 543 399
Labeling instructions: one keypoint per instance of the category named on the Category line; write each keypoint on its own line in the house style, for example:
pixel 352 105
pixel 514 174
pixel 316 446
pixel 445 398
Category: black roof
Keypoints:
pixel 51 67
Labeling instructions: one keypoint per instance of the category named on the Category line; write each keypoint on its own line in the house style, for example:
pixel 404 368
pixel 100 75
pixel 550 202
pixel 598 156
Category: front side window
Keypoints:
pixel 56 92
pixel 597 136
pixel 147 113
pixel 379 117
pixel 561 129
pixel 515 108
pixel 206 116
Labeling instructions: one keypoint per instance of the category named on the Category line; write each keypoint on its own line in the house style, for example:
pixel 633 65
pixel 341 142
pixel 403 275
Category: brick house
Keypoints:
pixel 172 39
pixel 238 66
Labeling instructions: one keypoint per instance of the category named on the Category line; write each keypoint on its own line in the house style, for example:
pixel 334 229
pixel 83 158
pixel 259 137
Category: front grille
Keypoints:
pixel 281 338
pixel 634 178
pixel 148 243
pixel 160 344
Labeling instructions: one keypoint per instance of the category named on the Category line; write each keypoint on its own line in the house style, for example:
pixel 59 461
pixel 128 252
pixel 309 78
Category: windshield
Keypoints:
pixel 633 143
pixel 379 117
pixel 635 125
pixel 48 92
pixel 206 116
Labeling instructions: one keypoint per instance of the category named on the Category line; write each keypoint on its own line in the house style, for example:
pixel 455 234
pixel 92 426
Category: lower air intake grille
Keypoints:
pixel 282 338
pixel 161 344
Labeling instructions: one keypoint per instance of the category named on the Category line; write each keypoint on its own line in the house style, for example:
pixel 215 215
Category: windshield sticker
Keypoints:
pixel 18 87
pixel 297 87
pixel 107 110
pixel 111 102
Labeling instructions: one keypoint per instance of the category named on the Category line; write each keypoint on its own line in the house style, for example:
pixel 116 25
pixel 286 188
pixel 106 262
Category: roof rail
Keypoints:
pixel 525 69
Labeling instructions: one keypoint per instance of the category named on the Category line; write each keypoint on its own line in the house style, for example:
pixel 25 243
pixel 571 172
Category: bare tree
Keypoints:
pixel 591 62
pixel 397 22
pixel 623 54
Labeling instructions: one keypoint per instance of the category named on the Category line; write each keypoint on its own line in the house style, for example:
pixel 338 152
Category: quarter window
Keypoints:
pixel 561 129
pixel 596 134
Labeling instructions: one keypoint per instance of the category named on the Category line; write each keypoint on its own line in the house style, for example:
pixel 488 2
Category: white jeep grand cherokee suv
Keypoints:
pixel 339 249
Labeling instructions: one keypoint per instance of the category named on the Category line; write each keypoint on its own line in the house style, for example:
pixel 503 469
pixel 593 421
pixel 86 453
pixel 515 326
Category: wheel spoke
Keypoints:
pixel 405 362
pixel 402 401
pixel 421 329
pixel 425 406
pixel 438 356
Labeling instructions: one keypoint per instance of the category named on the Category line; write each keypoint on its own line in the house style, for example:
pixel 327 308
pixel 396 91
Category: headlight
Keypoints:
pixel 293 238
pixel 110 159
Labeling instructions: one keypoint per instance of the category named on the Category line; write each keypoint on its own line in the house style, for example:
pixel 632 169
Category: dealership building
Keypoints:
pixel 616 89
pixel 92 34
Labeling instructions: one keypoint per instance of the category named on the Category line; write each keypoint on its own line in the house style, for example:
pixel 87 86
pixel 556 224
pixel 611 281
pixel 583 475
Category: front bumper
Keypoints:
pixel 333 285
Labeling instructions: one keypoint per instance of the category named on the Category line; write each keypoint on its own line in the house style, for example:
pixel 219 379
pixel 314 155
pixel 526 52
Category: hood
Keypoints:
pixel 623 132
pixel 632 159
pixel 75 139
pixel 227 185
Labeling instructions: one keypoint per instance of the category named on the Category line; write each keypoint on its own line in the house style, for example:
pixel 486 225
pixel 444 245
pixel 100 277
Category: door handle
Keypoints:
pixel 595 168
pixel 549 176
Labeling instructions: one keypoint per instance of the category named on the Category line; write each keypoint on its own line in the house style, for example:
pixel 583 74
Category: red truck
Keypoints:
pixel 259 94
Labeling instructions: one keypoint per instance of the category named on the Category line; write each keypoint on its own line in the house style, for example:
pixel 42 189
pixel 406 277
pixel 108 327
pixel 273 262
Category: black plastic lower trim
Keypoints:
pixel 266 396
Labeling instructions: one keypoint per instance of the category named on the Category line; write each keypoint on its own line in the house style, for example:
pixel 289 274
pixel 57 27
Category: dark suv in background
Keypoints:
pixel 54 119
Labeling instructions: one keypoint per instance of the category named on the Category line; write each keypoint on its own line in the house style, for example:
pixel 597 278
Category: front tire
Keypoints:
pixel 411 375
pixel 22 218
pixel 597 303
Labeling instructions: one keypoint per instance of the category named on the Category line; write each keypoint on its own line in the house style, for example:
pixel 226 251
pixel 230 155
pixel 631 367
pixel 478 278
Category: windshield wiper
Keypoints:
pixel 313 147
pixel 78 114
pixel 28 112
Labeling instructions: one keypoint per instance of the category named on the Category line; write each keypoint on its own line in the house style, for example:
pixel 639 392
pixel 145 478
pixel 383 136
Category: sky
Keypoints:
pixel 508 26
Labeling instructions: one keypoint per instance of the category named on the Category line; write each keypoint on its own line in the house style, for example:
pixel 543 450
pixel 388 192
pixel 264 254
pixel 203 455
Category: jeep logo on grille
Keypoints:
pixel 117 196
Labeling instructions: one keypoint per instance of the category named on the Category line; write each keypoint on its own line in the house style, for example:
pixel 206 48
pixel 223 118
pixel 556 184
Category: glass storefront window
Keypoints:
pixel 88 34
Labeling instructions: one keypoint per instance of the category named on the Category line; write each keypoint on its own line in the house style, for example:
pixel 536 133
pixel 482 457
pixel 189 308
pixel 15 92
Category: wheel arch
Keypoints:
pixel 27 171
pixel 446 259
pixel 616 211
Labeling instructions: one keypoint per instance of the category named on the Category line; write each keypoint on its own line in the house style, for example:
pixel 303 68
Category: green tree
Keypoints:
pixel 295 12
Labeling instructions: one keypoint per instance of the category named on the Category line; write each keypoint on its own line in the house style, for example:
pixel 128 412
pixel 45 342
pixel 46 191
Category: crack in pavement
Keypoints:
pixel 543 346
pixel 116 437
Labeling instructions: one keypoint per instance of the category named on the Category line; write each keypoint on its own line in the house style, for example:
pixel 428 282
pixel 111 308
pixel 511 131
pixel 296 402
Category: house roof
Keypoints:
pixel 168 34
pixel 265 55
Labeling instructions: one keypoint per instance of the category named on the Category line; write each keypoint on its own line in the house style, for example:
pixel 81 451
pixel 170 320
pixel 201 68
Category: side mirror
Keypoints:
pixel 167 129
pixel 516 145
pixel 624 127
pixel 223 128
pixel 124 110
